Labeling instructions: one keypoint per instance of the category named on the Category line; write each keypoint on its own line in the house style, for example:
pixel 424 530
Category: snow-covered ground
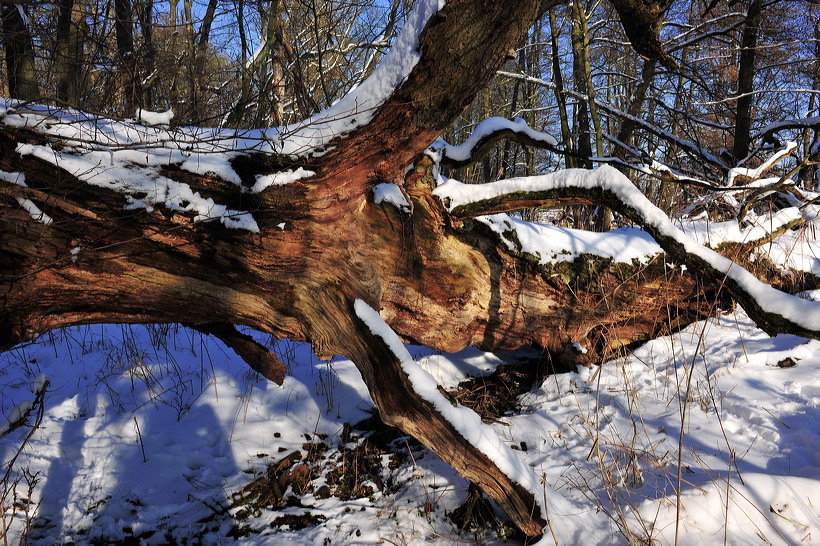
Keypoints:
pixel 158 435
pixel 152 433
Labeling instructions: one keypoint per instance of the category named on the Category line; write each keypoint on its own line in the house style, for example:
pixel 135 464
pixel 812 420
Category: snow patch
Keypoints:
pixel 279 179
pixel 215 164
pixel 28 205
pixel 149 118
pixel 392 194
pixel 141 186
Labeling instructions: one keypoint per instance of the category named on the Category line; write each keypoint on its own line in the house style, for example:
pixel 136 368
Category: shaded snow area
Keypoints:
pixel 157 434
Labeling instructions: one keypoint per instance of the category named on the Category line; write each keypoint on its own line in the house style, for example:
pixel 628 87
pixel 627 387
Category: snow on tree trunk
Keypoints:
pixel 279 230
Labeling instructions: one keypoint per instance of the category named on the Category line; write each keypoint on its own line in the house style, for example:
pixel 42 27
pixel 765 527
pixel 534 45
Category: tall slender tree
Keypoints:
pixel 19 48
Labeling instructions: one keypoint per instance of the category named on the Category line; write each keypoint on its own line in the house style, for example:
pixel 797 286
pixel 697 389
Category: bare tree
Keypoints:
pixel 124 28
pixel 20 62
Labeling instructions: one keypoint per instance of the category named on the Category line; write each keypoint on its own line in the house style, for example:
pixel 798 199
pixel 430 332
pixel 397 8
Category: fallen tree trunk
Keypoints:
pixel 202 229
pixel 436 285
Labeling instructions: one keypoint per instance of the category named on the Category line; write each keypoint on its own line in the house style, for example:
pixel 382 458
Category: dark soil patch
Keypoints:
pixel 496 395
pixel 298 521
pixel 359 468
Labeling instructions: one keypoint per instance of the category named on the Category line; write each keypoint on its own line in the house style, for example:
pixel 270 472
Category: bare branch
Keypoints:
pixel 488 133
pixel 256 355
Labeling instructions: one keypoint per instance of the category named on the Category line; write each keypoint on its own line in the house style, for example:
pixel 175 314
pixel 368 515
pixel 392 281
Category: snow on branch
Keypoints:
pixel 357 108
pixel 466 422
pixel 801 123
pixel 748 174
pixel 550 244
pixel 773 311
pixel 487 133
pixel 302 139
pixel 129 156
pixel 161 119
pixel 34 211
pixel 142 187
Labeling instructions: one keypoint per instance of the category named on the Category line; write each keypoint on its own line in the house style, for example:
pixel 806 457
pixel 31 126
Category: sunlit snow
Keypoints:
pixel 454 193
pixel 154 118
pixel 125 156
pixel 150 434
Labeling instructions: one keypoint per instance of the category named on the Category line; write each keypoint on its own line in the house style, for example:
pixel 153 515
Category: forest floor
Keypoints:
pixel 162 436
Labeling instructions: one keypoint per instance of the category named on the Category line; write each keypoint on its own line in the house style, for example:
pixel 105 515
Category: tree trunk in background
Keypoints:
pixel 268 66
pixel 20 67
pixel 636 102
pixel 280 53
pixel 124 30
pixel 149 55
pixel 581 129
pixel 185 95
pixel 582 216
pixel 641 20
pixel 808 174
pixel 69 71
pixel 745 83
pixel 560 97
pixel 199 50
pixel 236 115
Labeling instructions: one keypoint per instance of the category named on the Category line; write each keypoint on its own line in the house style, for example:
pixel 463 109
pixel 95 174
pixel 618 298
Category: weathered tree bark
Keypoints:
pixel 435 285
pixel 322 244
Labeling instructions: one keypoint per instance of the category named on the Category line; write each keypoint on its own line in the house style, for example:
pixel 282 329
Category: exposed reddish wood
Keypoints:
pixel 256 355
